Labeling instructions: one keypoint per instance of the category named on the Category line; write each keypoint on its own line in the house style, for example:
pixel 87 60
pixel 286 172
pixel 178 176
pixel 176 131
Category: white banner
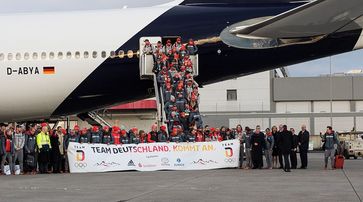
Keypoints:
pixel 84 158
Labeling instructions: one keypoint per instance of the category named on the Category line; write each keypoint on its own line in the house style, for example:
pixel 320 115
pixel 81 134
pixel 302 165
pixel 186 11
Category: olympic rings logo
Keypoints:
pixel 229 160
pixel 80 165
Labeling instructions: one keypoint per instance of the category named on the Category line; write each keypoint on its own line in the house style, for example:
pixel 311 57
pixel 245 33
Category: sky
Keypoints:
pixel 340 63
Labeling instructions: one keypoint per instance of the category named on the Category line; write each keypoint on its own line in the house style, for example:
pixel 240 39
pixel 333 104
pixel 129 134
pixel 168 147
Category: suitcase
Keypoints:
pixel 339 162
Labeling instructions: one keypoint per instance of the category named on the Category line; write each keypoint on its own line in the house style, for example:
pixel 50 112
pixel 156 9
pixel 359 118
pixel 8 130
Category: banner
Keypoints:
pixel 84 158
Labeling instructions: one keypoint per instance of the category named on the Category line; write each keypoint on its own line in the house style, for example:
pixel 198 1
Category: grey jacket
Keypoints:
pixel 30 144
pixel 270 142
pixel 246 138
pixel 18 141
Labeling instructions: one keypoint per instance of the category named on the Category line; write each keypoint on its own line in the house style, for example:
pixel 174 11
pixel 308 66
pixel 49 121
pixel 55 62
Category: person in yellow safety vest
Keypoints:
pixel 43 143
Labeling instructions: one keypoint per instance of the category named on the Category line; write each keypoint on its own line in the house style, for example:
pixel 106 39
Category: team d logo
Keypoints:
pixel 80 155
pixel 228 152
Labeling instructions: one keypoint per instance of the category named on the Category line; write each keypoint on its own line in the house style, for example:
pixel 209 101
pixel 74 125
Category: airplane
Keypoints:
pixel 54 64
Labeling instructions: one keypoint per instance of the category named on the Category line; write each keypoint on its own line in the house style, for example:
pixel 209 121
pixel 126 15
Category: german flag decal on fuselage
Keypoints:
pixel 48 70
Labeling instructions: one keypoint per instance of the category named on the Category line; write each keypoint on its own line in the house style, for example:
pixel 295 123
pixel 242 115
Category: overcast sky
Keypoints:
pixel 340 63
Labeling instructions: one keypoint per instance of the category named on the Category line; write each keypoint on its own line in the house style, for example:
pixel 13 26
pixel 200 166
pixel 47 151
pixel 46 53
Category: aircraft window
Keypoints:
pixel 35 56
pixel 77 55
pixel 1 56
pixel 18 56
pixel 85 54
pixel 69 55
pixel 26 56
pixel 43 55
pixel 94 54
pixel 51 55
pixel 103 54
pixel 130 54
pixel 121 54
pixel 112 54
pixel 60 55
pixel 10 56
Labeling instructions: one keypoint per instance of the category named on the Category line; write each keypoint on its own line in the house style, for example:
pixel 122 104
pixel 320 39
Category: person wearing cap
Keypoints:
pixel 106 135
pixel 124 139
pixel 162 134
pixel 30 151
pixel 200 136
pixel 44 147
pixel 7 149
pixel 257 147
pixel 159 47
pixel 152 136
pixel 116 137
pixel 191 47
pixel 19 141
pixel 175 136
pixel 331 141
pixel 168 46
pixel 148 48
pixel 246 139
pixel 84 136
pixel 73 136
pixel 56 141
pixel 134 136
pixel 178 44
pixel 96 135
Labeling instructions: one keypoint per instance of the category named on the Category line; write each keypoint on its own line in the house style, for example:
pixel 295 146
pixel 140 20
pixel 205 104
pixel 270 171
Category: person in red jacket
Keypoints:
pixel 152 137
pixel 116 138
pixel 199 136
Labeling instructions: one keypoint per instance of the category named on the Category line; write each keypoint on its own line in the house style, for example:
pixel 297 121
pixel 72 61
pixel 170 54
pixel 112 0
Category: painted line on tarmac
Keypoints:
pixel 351 184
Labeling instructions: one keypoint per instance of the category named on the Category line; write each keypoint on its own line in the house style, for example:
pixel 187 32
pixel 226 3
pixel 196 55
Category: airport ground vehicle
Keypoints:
pixel 352 144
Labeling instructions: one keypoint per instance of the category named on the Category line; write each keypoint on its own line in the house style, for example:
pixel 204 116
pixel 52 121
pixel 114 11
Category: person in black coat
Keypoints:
pixel 303 141
pixel 257 147
pixel 293 157
pixel 277 142
pixel 286 146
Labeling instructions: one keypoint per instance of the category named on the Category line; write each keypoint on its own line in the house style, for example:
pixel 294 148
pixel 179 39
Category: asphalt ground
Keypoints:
pixel 312 184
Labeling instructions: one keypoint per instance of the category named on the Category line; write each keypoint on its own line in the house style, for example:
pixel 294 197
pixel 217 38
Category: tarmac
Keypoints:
pixel 312 184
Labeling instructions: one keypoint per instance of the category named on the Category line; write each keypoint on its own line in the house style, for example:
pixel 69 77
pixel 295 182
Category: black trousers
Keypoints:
pixel 286 161
pixel 293 159
pixel 43 161
pixel 281 160
pixel 257 159
pixel 304 157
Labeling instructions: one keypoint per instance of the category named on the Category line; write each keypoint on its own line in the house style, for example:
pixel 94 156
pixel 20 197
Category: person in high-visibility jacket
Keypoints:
pixel 44 147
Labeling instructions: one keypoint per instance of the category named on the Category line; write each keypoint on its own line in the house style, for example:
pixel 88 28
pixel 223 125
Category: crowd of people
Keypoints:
pixel 174 70
pixel 38 148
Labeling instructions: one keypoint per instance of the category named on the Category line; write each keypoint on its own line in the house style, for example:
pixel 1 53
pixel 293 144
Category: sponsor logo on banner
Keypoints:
pixel 107 164
pixel 80 157
pixel 228 152
pixel 131 163
pixel 204 162
pixel 178 162
pixel 165 162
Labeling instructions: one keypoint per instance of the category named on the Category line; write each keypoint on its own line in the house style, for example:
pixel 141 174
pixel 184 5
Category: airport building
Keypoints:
pixel 272 98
